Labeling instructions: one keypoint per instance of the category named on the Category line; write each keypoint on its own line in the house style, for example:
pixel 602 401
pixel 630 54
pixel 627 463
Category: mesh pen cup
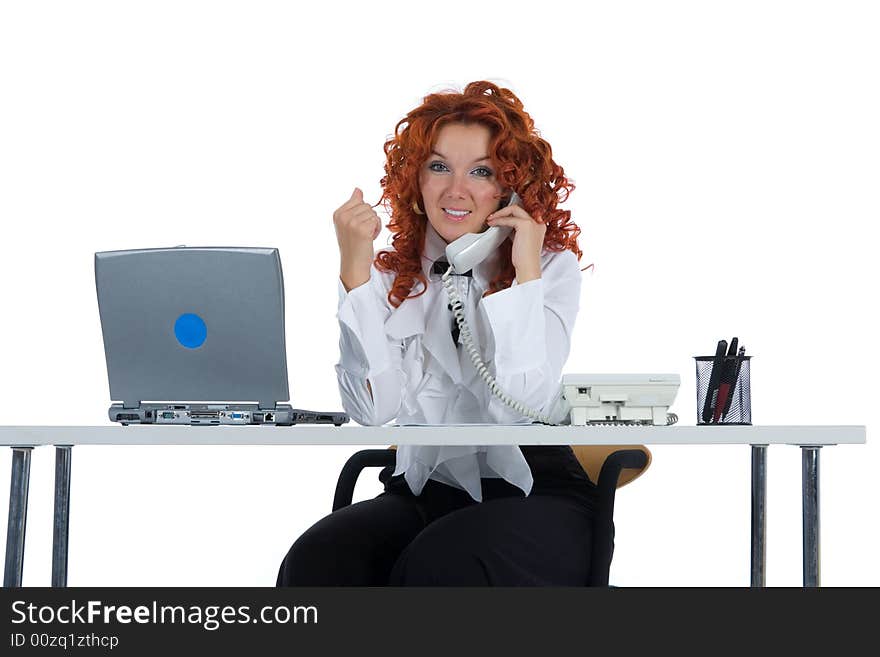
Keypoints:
pixel 724 398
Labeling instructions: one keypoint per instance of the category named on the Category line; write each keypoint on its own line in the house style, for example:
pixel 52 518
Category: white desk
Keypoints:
pixel 810 438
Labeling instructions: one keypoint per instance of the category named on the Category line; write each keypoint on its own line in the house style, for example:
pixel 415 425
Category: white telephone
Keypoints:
pixel 635 399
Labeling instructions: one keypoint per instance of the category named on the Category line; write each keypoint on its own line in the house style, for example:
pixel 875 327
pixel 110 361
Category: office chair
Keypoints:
pixel 609 466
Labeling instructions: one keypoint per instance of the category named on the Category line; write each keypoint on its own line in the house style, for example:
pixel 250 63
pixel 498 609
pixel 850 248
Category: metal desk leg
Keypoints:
pixel 61 523
pixel 759 518
pixel 810 486
pixel 18 499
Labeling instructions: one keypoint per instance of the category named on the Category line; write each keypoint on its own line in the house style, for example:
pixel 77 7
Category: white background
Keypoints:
pixel 726 163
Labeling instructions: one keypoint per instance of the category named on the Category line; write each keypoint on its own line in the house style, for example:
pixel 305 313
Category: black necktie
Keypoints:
pixel 440 267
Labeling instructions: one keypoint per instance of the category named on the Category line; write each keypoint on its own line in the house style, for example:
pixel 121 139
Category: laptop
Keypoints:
pixel 195 335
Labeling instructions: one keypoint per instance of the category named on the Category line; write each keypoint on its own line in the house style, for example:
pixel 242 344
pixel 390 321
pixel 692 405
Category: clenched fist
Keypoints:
pixel 357 225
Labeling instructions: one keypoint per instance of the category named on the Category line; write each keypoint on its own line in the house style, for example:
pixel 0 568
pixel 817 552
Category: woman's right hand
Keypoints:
pixel 357 225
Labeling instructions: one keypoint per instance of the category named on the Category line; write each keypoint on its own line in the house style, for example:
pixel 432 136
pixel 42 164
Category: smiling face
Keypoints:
pixel 458 182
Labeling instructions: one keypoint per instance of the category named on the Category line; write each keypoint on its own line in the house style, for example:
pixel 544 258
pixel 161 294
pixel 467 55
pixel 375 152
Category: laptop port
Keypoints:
pixel 270 417
pixel 204 415
pixel 126 416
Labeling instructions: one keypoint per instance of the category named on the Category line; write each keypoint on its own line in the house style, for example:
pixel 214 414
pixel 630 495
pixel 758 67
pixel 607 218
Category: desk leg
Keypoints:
pixel 15 529
pixel 759 518
pixel 810 486
pixel 61 523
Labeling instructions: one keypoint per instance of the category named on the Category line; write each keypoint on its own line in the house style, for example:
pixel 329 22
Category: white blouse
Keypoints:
pixel 418 375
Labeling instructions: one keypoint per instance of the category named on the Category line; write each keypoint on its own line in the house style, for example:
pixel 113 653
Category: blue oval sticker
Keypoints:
pixel 190 330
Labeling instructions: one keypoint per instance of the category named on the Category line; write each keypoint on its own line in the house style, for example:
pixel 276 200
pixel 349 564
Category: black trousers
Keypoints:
pixel 443 537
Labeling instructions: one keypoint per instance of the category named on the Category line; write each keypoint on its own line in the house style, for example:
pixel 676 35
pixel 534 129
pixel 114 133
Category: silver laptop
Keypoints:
pixel 195 335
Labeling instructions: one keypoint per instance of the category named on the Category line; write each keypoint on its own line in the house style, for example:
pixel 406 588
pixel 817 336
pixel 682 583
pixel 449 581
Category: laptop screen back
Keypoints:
pixel 193 324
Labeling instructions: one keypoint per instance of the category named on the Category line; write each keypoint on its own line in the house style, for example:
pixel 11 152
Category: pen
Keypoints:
pixel 714 377
pixel 728 378
pixel 735 381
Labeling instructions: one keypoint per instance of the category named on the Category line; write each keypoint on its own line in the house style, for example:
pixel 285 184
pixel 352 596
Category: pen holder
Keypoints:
pixel 729 402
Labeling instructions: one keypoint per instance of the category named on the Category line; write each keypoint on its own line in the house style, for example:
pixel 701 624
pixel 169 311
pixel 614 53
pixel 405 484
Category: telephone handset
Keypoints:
pixel 470 249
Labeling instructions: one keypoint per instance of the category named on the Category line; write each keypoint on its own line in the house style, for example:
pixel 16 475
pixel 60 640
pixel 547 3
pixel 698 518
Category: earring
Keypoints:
pixel 415 207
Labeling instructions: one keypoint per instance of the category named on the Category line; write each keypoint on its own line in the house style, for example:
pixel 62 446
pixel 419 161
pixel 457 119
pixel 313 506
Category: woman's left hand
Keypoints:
pixel 528 240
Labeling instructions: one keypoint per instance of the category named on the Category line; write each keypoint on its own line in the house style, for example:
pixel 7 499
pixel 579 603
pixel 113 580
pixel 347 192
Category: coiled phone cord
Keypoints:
pixel 483 371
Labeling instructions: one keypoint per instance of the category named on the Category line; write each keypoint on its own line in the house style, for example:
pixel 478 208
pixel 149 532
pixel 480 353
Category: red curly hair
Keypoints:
pixel 523 160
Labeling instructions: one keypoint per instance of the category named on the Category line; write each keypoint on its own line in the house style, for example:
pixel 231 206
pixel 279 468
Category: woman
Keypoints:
pixel 499 515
